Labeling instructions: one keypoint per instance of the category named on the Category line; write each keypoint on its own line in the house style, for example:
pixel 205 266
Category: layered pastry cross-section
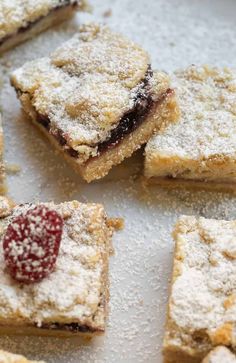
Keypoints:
pixel 22 19
pixel 6 357
pixel 202 303
pixel 201 146
pixel 73 297
pixel 96 98
pixel 220 355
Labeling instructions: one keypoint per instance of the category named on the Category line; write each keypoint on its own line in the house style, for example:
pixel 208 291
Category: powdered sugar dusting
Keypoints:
pixel 176 33
pixel 85 87
pixel 204 137
pixel 16 14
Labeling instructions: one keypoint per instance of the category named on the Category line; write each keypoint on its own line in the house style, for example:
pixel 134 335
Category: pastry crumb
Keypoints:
pixel 116 223
pixel 13 168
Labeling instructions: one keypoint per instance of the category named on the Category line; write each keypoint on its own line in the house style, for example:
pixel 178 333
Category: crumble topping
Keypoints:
pixel 207 125
pixel 86 86
pixel 74 291
pixel 16 14
pixel 202 297
pixel 219 355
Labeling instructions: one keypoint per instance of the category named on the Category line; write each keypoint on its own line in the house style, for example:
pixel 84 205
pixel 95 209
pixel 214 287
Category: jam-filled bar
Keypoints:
pixel 202 304
pixel 220 355
pixel 201 146
pixel 54 269
pixel 6 357
pixel 96 97
pixel 22 19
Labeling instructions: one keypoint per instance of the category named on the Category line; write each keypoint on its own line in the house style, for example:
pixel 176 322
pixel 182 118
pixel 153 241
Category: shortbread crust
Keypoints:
pixel 73 299
pixel 201 146
pixel 96 98
pixel 22 19
pixel 220 355
pixel 202 304
pixel 6 357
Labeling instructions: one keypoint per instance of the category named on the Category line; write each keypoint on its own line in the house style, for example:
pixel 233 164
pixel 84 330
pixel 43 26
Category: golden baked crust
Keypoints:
pixel 74 298
pixel 6 357
pixel 86 89
pixel 220 355
pixel 202 304
pixel 22 19
pixel 201 146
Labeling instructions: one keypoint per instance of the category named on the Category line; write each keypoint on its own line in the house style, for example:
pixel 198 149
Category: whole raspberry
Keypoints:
pixel 31 244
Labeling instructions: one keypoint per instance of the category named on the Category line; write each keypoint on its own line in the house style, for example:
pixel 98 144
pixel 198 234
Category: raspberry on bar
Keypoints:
pixel 51 294
pixel 6 357
pixel 199 150
pixel 220 355
pixel 31 244
pixel 96 98
pixel 21 20
pixel 202 303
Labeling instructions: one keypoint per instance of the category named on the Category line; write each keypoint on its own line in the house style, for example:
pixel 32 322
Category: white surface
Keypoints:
pixel 176 33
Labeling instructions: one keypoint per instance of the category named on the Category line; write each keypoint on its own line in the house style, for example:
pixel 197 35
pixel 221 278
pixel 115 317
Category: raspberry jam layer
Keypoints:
pixel 143 103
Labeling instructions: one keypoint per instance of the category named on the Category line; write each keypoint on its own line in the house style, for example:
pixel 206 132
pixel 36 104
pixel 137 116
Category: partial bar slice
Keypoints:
pixel 23 19
pixel 96 98
pixel 6 357
pixel 73 299
pixel 202 304
pixel 2 165
pixel 201 146
pixel 220 355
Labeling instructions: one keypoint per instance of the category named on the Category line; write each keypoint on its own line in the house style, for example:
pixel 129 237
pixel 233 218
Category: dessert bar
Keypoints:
pixel 6 357
pixel 202 303
pixel 23 19
pixel 220 355
pixel 54 269
pixel 96 98
pixel 201 146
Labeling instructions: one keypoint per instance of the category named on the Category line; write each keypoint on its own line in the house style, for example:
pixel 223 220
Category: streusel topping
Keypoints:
pixel 219 355
pixel 73 291
pixel 87 85
pixel 16 14
pixel 207 126
pixel 203 294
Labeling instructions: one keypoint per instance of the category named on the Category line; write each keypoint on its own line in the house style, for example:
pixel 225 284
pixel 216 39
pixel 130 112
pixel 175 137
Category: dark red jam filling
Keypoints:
pixel 73 327
pixel 29 25
pixel 129 122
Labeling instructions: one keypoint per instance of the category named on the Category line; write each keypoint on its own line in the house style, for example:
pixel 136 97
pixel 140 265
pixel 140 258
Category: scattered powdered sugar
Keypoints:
pixel 176 33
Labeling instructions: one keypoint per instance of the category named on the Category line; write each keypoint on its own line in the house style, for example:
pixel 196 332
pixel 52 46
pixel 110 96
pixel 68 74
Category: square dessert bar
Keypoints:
pixel 202 303
pixel 220 355
pixel 73 298
pixel 22 19
pixel 96 98
pixel 6 357
pixel 201 146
